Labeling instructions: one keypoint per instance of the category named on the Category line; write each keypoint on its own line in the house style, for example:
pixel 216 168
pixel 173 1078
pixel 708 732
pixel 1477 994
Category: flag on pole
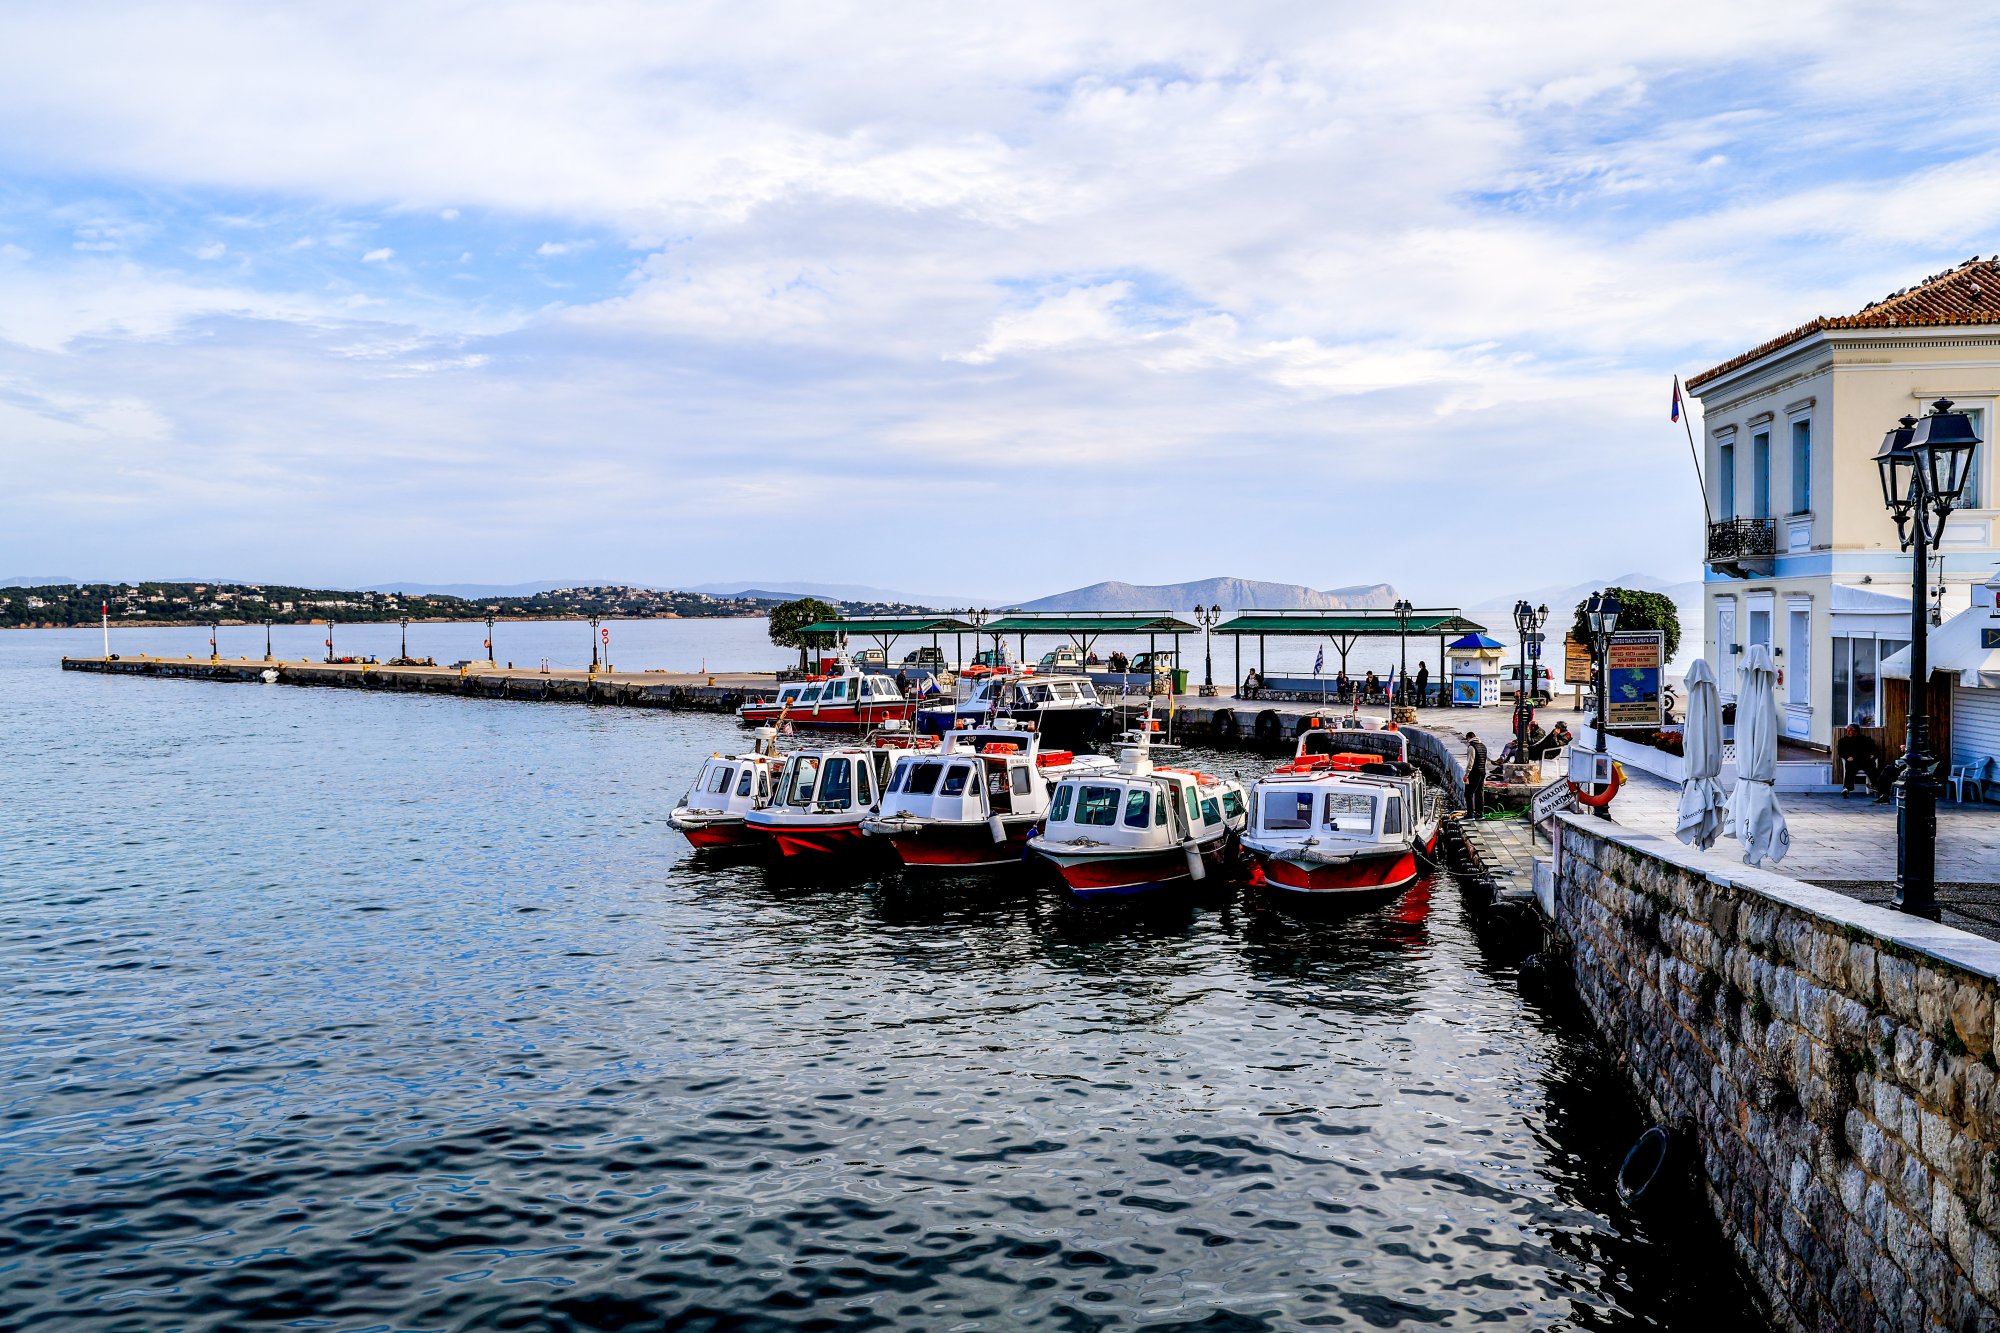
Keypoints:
pixel 1675 413
pixel 1319 660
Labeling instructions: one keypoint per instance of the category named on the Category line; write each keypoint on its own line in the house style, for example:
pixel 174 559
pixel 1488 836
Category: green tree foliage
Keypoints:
pixel 789 619
pixel 1638 610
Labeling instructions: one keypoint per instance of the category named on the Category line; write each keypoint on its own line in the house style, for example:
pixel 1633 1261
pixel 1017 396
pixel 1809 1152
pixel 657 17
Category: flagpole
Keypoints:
pixel 1693 453
pixel 105 606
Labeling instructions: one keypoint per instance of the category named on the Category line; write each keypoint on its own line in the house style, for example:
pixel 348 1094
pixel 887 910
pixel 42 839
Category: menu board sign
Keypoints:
pixel 1576 661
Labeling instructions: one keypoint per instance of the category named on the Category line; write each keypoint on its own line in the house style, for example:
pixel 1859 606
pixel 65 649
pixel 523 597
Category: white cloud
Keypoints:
pixel 213 250
pixel 866 246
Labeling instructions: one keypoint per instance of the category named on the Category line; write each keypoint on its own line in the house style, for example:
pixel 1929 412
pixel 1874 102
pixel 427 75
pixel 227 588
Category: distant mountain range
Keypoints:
pixel 1231 594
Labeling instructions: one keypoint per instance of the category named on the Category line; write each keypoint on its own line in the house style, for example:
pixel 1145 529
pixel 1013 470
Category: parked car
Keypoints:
pixel 1065 658
pixel 1156 663
pixel 871 657
pixel 925 659
pixel 1544 688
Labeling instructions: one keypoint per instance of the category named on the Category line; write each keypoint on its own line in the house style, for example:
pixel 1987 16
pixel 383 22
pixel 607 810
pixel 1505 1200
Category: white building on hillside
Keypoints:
pixel 1801 553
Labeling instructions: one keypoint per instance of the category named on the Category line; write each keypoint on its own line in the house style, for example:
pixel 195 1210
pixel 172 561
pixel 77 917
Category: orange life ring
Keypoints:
pixel 1611 790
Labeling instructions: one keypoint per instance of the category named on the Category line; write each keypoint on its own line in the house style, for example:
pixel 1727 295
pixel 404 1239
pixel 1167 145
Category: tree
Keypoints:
pixel 789 619
pixel 1638 610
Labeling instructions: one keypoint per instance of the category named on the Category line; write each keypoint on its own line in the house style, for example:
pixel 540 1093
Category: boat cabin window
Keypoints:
pixel 1159 810
pixel 743 780
pixel 1039 694
pixel 805 772
pixel 956 779
pixel 836 789
pixel 1232 804
pixel 1211 812
pixel 864 784
pixel 1288 810
pixel 924 778
pixel 1138 807
pixel 1350 812
pixel 1097 805
pixel 835 689
pixel 1193 805
pixel 809 694
pixel 720 782
pixel 1021 779
pixel 1086 692
pixel 1059 808
pixel 1392 815
pixel 763 783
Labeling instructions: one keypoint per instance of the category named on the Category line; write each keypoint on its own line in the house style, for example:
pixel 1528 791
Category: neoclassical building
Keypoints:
pixel 1801 553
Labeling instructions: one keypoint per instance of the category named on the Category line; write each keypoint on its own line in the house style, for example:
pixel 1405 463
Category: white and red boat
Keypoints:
pixel 1139 828
pixel 971 804
pixel 857 702
pixel 826 791
pixel 1349 826
pixel 726 790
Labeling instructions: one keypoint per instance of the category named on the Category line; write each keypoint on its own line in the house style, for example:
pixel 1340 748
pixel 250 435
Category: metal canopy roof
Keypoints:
pixel 1363 624
pixel 1089 622
pixel 891 625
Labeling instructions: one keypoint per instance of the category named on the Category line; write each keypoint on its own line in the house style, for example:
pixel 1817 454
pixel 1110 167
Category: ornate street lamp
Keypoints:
pixel 329 641
pixel 1207 618
pixel 593 643
pixel 1528 621
pixel 1600 615
pixel 267 640
pixel 489 640
pixel 213 630
pixel 1923 464
pixel 405 623
pixel 1403 610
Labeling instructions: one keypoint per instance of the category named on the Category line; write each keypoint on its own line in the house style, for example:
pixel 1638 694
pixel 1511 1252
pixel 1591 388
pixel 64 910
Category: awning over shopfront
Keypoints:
pixel 1967 645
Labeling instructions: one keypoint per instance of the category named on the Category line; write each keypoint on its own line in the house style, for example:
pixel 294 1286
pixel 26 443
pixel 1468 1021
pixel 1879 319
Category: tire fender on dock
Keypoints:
pixel 1224 724
pixel 1270 731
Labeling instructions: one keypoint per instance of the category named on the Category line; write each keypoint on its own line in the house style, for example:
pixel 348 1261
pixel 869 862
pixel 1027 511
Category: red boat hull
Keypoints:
pixel 813 840
pixel 843 716
pixel 1387 873
pixel 967 847
pixel 734 834
pixel 1111 876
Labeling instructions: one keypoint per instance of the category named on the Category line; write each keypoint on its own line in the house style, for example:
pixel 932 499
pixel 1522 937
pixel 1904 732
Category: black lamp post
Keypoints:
pixel 1403 610
pixel 405 623
pixel 489 640
pixel 1601 615
pixel 329 641
pixel 1528 621
pixel 1924 464
pixel 267 640
pixel 1207 618
pixel 213 630
pixel 593 644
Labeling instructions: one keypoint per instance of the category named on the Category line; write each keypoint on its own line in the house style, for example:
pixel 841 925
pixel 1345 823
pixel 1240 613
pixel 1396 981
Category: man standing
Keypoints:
pixel 1423 683
pixel 1475 775
pixel 1860 758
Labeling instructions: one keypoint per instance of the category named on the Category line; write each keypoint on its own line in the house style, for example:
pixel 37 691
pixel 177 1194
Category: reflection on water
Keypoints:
pixel 399 1012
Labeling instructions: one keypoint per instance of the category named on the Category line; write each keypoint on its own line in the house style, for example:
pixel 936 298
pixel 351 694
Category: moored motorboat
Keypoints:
pixel 724 792
pixel 825 792
pixel 859 702
pixel 1353 826
pixel 1139 827
pixel 1063 710
pixel 970 804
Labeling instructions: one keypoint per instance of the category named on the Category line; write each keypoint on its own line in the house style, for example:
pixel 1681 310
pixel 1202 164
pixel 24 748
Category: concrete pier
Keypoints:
pixel 716 692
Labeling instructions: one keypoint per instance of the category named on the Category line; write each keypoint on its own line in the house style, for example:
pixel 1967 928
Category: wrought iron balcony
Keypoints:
pixel 1743 547
pixel 1738 538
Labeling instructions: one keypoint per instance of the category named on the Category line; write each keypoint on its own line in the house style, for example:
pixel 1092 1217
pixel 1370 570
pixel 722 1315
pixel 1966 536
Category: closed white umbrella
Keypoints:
pixel 1752 816
pixel 1700 822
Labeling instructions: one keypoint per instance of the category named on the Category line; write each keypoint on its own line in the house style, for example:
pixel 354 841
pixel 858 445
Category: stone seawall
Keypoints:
pixel 1830 1063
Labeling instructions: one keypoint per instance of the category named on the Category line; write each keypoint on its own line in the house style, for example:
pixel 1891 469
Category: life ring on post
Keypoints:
pixel 1598 802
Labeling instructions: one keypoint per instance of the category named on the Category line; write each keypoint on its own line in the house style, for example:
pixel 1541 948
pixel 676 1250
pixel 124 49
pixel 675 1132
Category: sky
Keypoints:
pixel 989 300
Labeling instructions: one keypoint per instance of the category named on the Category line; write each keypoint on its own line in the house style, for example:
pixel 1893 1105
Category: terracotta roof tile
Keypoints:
pixel 1968 294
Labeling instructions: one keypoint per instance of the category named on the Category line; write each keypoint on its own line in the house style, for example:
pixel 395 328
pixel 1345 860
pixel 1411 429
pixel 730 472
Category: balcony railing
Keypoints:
pixel 1742 538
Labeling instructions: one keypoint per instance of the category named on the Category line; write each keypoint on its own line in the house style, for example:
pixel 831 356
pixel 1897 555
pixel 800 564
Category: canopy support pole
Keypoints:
pixel 1239 659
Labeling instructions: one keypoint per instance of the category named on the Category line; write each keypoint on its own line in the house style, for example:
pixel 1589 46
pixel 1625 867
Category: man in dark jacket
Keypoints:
pixel 1475 775
pixel 1860 760
pixel 1423 682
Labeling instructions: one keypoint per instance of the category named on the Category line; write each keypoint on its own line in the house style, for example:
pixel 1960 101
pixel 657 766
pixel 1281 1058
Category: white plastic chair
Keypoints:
pixel 1975 775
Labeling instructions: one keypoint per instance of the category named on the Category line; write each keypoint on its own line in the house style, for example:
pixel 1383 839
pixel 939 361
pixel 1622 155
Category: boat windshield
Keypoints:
pixel 1097 805
pixel 1138 807
pixel 922 777
pixel 805 773
pixel 1350 812
pixel 1288 811
pixel 719 783
pixel 743 779
pixel 810 694
pixel 1059 810
pixel 836 790
pixel 955 779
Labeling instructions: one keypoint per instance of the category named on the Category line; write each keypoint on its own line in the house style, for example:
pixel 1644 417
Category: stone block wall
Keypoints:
pixel 1831 1063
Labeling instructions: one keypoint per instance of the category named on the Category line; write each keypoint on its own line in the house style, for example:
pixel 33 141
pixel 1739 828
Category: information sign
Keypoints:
pixel 1634 670
pixel 1576 661
pixel 1553 799
pixel 1989 638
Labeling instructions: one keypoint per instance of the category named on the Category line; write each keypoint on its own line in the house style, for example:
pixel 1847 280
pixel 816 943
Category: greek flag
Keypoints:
pixel 1319 660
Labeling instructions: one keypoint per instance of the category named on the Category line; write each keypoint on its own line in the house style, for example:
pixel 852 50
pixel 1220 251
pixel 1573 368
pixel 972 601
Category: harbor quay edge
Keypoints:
pixel 1830 1063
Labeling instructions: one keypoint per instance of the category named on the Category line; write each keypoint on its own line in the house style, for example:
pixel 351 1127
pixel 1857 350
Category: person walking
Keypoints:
pixel 1475 775
pixel 1423 683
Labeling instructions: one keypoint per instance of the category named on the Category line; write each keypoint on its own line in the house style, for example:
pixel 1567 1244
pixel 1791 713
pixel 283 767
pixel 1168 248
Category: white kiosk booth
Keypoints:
pixel 1475 665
